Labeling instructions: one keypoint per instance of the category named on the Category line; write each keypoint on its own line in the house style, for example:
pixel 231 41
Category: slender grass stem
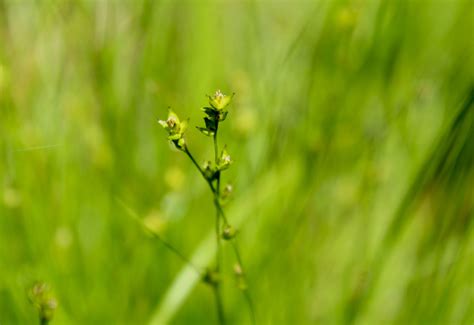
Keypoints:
pixel 217 288
pixel 245 291
pixel 134 215
pixel 218 226
pixel 219 212
pixel 219 304
pixel 216 203
pixel 178 253
pixel 216 148
pixel 186 150
pixel 188 153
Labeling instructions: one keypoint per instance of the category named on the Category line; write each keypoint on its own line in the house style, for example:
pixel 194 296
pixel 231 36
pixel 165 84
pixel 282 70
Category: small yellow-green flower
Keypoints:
pixel 175 129
pixel 225 160
pixel 219 101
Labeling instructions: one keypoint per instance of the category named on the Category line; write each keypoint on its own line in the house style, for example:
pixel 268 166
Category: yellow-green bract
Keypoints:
pixel 219 101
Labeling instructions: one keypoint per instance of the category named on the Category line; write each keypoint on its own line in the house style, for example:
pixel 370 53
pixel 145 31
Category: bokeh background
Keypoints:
pixel 352 132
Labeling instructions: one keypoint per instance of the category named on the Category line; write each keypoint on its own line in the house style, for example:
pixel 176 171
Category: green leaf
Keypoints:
pixel 222 115
pixel 211 125
pixel 176 136
pixel 205 131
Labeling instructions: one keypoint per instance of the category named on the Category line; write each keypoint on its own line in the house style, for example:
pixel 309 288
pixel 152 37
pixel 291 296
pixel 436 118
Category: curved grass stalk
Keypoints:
pixel 165 243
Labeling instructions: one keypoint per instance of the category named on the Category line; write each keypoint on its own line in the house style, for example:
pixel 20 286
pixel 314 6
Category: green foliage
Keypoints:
pixel 351 131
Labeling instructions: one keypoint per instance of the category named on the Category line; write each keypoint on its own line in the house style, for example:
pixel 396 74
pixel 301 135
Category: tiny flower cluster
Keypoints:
pixel 215 113
pixel 42 299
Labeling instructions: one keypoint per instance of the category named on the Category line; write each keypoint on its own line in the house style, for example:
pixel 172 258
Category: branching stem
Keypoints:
pixel 221 214
pixel 217 288
pixel 215 191
pixel 216 113
pixel 245 291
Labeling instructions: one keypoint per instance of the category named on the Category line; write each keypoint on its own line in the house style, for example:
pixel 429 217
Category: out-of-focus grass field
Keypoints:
pixel 352 131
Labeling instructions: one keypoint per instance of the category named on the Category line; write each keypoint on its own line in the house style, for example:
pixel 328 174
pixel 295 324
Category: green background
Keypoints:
pixel 352 132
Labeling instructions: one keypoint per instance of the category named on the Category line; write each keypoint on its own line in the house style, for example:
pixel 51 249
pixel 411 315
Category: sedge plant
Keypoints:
pixel 211 171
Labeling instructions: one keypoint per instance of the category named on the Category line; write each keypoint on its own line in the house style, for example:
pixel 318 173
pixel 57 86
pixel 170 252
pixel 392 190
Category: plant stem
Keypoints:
pixel 219 212
pixel 157 236
pixel 244 291
pixel 216 202
pixel 218 226
pixel 219 306
pixel 216 151
pixel 239 261
pixel 186 150
pixel 217 287
pixel 188 153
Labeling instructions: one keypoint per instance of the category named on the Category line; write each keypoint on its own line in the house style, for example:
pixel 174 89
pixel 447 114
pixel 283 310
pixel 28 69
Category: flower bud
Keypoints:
pixel 229 232
pixel 225 160
pixel 211 277
pixel 239 274
pixel 226 193
pixel 238 270
pixel 208 170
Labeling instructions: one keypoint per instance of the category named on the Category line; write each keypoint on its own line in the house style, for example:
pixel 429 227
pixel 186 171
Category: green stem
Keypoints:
pixel 177 253
pixel 226 223
pixel 186 150
pixel 217 288
pixel 155 235
pixel 219 306
pixel 216 203
pixel 219 212
pixel 218 227
pixel 188 153
pixel 245 292
pixel 216 151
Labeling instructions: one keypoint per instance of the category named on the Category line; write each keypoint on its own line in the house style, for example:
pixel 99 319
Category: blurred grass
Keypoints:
pixel 352 132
